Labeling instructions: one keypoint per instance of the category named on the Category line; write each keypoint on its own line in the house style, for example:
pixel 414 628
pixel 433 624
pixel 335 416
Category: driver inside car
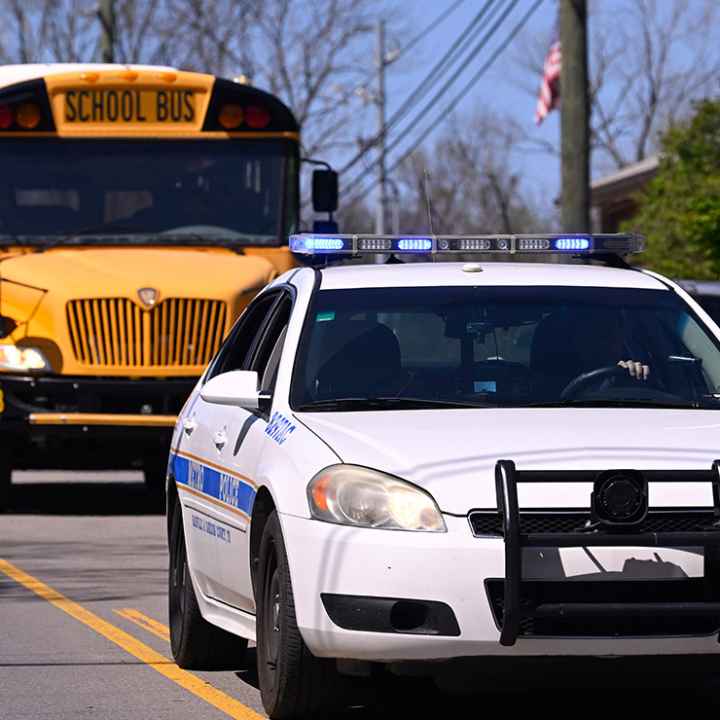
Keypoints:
pixel 600 339
pixel 567 344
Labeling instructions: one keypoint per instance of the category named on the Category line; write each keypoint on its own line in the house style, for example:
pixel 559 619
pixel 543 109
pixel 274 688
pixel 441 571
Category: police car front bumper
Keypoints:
pixel 347 581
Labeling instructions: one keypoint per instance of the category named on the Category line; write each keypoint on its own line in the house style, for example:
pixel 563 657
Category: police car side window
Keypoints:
pixel 266 358
pixel 234 352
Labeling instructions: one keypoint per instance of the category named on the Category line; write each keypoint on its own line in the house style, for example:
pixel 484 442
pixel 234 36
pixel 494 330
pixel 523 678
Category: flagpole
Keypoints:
pixel 574 117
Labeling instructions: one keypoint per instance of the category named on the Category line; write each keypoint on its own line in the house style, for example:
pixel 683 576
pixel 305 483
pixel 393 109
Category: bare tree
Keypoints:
pixel 473 187
pixel 649 61
pixel 316 55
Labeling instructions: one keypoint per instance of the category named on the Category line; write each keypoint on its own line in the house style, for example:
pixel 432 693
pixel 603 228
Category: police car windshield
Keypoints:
pixel 504 347
pixel 180 189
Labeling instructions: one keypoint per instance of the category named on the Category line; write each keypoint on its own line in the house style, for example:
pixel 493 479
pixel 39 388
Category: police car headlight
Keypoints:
pixel 353 495
pixel 17 358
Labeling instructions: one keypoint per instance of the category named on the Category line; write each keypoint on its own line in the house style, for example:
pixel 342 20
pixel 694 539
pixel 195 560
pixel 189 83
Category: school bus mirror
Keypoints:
pixel 7 326
pixel 325 191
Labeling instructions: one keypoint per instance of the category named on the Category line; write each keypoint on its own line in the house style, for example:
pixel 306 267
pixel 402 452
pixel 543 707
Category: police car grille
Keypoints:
pixel 117 332
pixel 487 522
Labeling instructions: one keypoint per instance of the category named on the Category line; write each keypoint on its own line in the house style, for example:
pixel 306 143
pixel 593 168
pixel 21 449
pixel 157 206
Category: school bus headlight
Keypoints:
pixel 231 116
pixel 28 116
pixel 21 359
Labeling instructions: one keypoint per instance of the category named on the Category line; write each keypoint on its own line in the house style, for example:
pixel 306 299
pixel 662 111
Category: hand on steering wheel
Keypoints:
pixel 584 380
pixel 636 369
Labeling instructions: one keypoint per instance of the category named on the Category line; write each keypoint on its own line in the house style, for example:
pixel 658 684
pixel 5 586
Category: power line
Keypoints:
pixel 454 53
pixel 454 102
pixel 420 36
pixel 438 95
pixel 423 87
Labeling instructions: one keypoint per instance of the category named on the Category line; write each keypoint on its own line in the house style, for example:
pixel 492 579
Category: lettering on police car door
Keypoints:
pixel 229 490
pixel 195 476
pixel 279 428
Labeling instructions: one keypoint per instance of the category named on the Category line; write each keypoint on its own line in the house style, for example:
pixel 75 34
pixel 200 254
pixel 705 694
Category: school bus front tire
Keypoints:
pixel 5 481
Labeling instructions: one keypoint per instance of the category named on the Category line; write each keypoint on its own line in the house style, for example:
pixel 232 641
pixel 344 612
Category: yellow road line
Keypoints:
pixel 145 622
pixel 230 706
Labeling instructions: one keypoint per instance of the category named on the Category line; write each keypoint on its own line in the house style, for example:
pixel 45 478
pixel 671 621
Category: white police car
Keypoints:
pixel 426 461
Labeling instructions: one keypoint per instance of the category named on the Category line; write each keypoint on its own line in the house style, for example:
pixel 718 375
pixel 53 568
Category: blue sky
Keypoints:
pixel 500 89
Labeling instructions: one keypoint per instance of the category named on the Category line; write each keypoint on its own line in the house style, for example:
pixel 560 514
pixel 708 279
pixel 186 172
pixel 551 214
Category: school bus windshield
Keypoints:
pixel 241 191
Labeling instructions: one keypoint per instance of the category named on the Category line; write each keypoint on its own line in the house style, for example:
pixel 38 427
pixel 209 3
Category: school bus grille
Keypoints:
pixel 116 332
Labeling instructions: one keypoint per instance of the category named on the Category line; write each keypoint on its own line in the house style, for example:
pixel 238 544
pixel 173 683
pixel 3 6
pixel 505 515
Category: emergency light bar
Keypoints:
pixel 568 243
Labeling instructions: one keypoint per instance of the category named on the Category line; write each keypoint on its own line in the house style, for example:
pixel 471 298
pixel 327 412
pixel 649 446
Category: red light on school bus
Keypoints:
pixel 256 117
pixel 6 117
pixel 231 116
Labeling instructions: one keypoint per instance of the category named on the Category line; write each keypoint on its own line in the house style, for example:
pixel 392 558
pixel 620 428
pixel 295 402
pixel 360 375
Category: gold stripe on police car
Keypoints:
pixel 129 106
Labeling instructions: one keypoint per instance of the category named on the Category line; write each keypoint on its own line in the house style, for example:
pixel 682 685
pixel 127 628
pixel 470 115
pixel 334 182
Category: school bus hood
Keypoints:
pixel 70 273
pixel 84 309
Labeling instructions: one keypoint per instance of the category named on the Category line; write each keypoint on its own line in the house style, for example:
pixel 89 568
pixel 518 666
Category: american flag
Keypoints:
pixel 549 97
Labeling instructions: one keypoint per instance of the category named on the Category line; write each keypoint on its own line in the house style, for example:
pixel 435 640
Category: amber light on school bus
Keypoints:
pixel 28 116
pixel 231 116
pixel 25 107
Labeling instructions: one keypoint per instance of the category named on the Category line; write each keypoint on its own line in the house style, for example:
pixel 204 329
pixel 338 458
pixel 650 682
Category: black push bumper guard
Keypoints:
pixel 514 611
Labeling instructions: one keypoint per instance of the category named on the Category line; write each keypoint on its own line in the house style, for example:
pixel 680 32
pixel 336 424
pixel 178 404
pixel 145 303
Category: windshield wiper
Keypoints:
pixel 384 403
pixel 621 402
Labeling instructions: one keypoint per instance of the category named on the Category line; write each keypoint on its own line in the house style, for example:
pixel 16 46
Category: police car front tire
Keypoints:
pixel 195 643
pixel 294 684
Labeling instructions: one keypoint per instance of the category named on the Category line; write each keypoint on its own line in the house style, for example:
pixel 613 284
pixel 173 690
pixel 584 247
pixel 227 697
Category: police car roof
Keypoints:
pixel 428 274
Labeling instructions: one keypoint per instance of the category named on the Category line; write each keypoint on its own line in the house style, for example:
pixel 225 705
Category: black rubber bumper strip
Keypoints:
pixel 391 615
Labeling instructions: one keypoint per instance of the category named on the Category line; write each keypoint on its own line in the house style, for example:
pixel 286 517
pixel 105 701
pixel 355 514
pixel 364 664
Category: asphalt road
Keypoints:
pixel 83 627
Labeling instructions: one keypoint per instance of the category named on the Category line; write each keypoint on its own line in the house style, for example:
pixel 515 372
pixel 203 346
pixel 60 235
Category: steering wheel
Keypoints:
pixel 582 381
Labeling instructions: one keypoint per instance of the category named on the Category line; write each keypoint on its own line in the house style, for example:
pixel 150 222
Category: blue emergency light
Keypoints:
pixel 568 243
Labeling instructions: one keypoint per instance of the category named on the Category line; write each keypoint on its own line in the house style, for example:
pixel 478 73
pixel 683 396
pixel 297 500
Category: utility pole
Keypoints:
pixel 106 14
pixel 380 102
pixel 575 117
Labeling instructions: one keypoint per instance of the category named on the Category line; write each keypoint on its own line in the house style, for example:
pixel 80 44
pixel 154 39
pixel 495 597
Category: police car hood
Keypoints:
pixel 452 453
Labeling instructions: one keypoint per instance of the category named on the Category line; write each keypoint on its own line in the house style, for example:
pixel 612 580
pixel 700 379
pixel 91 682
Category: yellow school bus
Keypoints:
pixel 141 209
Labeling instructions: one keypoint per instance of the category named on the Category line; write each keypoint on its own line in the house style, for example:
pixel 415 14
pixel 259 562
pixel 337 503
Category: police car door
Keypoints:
pixel 216 497
pixel 245 432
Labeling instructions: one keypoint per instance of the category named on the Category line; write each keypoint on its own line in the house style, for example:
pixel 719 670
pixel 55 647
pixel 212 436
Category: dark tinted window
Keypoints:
pixel 235 352
pixel 711 305
pixel 505 346
pixel 237 189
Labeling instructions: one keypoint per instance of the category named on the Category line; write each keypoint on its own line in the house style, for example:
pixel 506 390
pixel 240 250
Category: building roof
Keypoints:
pixel 624 182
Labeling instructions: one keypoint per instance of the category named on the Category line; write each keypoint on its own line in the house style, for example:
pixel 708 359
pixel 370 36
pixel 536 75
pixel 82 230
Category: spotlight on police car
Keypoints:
pixel 620 499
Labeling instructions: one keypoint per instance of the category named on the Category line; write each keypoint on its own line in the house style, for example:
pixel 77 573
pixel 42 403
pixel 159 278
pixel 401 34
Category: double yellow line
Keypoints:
pixel 192 683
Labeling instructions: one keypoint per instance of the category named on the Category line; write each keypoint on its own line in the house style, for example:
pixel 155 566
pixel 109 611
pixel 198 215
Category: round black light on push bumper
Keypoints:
pixel 620 499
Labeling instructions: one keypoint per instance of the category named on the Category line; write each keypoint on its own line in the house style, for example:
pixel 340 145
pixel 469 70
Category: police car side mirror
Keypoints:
pixel 237 387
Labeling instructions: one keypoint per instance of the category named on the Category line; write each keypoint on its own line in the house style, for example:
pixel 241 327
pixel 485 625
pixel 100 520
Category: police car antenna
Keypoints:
pixel 428 200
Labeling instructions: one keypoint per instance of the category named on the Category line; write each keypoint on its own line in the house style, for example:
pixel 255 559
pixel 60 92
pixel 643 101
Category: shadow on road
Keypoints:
pixel 83 498
pixel 605 688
